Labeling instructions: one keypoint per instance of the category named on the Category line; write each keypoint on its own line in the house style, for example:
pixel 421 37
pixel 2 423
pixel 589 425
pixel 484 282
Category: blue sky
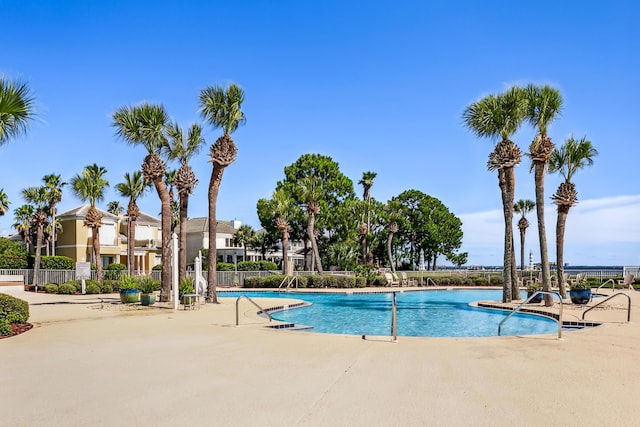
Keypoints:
pixel 377 86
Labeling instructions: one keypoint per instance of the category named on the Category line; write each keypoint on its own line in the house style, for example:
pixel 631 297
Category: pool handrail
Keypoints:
pixel 607 299
pixel 252 302
pixel 610 280
pixel 559 320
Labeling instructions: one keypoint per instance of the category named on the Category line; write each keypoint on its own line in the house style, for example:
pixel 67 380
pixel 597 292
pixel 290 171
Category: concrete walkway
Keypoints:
pixel 87 363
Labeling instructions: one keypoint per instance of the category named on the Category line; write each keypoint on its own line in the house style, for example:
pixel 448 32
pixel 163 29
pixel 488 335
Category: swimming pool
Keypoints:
pixel 432 313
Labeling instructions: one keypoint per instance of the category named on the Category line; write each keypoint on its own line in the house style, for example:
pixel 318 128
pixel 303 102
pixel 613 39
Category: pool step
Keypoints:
pixel 289 327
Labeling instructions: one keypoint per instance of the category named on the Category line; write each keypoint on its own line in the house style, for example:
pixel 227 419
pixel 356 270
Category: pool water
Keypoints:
pixel 441 313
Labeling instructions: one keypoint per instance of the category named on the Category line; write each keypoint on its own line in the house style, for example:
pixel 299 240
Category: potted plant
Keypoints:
pixel 185 288
pixel 129 292
pixel 580 291
pixel 147 288
pixel 532 288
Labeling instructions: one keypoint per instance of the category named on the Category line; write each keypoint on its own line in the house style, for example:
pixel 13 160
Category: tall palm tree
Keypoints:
pixel 133 187
pixel 89 186
pixel 282 207
pixel 222 109
pixel 54 184
pixel 145 125
pixel 39 197
pixel 367 183
pixel 4 202
pixel 311 190
pixel 392 229
pixel 23 223
pixel 16 109
pixel 571 157
pixel 523 207
pixel 544 105
pixel 500 117
pixel 183 148
pixel 115 208
pixel 243 236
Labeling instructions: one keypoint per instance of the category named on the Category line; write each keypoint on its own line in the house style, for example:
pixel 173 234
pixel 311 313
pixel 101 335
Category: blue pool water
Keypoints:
pixel 442 313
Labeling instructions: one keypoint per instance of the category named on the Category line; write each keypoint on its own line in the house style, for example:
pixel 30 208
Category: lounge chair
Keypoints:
pixel 626 282
pixel 406 281
pixel 391 281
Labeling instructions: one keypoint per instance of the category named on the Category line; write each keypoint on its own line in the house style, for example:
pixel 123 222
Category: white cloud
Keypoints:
pixel 598 232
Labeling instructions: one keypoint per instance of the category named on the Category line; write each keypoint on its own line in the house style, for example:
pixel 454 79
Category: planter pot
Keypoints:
pixel 535 300
pixel 148 299
pixel 580 296
pixel 129 296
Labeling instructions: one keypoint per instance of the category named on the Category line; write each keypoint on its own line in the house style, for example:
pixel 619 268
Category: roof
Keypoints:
pixel 201 225
pixel 82 210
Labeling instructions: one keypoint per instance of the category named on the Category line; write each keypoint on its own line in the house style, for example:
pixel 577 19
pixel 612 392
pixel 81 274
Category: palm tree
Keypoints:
pixel 523 207
pixel 311 191
pixel 243 236
pixel 282 209
pixel 114 207
pixel 24 219
pixel 183 148
pixel 133 187
pixel 4 202
pixel 392 228
pixel 39 197
pixel 54 184
pixel 544 105
pixel 145 125
pixel 89 187
pixel 500 117
pixel 16 108
pixel 571 157
pixel 367 183
pixel 222 109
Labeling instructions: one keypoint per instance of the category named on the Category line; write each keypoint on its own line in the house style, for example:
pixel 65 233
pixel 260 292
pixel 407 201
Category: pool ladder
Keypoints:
pixel 518 308
pixel 262 310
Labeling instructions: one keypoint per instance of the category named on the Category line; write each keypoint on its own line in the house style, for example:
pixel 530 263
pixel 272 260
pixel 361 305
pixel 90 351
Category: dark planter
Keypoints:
pixel 535 300
pixel 580 296
pixel 129 296
pixel 148 299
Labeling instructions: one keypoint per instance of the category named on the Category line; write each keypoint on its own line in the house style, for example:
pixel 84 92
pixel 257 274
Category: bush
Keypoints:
pixel 480 281
pixel 77 284
pixel 157 267
pixel 67 289
pixel 378 281
pixel 115 285
pixel 106 287
pixel 361 282
pixel 248 266
pixel 5 328
pixel 185 287
pixel 225 266
pixel 57 263
pixel 267 265
pixel 9 262
pixel 495 279
pixel 147 285
pixel 50 288
pixel 127 282
pixel 93 288
pixel 13 310
pixel 114 271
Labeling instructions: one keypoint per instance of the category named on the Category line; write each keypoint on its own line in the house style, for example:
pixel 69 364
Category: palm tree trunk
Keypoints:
pixel 131 245
pixel 96 252
pixel 53 230
pixel 515 288
pixel 522 233
pixel 563 211
pixel 285 250
pixel 36 263
pixel 390 253
pixel 314 244
pixel 507 205
pixel 165 214
pixel 214 187
pixel 182 251
pixel 539 171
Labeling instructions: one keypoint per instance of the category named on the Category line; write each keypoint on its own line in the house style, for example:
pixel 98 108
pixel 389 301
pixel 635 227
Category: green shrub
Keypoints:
pixel 455 280
pixel 106 287
pixel 127 282
pixel 115 285
pixel 185 287
pixel 378 281
pixel 267 265
pixel 361 282
pixel 66 289
pixel 225 266
pixel 13 310
pixel 57 263
pixel 10 262
pixel 50 288
pixel 495 279
pixel 480 281
pixel 442 281
pixel 147 285
pixel 93 288
pixel 5 328
pixel 248 266
pixel 77 284
pixel 157 267
pixel 114 271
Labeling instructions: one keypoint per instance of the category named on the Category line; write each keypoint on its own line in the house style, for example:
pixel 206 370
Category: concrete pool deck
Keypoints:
pixel 101 364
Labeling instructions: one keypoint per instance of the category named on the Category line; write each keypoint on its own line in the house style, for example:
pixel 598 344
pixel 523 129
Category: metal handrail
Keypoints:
pixel 607 299
pixel 289 281
pixel 429 279
pixel 610 280
pixel 394 319
pixel 559 320
pixel 252 302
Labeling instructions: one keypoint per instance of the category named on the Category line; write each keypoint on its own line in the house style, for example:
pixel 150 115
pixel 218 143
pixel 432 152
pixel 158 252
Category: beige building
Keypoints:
pixel 76 242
